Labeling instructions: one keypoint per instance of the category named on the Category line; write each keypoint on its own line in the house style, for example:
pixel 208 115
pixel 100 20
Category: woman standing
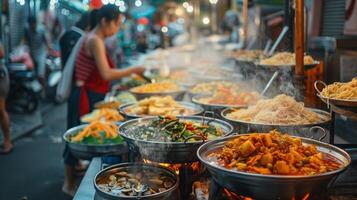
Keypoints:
pixel 93 72
pixel 4 117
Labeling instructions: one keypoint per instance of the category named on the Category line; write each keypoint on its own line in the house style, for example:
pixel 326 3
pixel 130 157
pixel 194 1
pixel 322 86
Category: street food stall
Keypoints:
pixel 210 122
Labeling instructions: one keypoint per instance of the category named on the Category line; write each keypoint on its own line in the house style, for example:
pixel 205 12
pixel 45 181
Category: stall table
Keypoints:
pixel 86 189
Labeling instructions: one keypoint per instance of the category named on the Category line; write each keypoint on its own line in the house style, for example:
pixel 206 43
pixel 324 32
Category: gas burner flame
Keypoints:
pixel 176 167
pixel 234 196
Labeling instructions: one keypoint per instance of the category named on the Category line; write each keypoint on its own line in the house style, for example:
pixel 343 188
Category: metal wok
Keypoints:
pixel 247 127
pixel 259 186
pixel 177 95
pixel 123 110
pixel 216 108
pixel 169 152
pixel 88 151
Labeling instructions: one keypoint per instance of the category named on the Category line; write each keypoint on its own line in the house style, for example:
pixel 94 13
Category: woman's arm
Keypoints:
pixel 97 50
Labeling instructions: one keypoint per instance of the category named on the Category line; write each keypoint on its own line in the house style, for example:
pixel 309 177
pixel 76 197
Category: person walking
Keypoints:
pixel 93 72
pixel 39 44
pixel 4 117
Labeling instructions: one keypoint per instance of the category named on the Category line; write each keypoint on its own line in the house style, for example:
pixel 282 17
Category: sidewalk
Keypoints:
pixel 21 124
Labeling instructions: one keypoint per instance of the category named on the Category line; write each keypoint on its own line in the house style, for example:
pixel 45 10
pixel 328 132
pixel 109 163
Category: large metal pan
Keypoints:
pixel 291 67
pixel 170 194
pixel 342 103
pixel 247 127
pixel 216 108
pixel 123 109
pixel 177 95
pixel 169 152
pixel 259 186
pixel 89 151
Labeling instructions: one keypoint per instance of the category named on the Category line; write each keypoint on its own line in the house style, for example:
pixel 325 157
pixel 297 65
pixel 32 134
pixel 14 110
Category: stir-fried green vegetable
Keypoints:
pixel 90 139
pixel 171 129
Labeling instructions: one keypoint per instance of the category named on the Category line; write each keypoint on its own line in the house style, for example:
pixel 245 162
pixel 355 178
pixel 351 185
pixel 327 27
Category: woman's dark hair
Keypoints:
pixel 108 12
pixel 84 21
pixel 93 19
pixel 32 19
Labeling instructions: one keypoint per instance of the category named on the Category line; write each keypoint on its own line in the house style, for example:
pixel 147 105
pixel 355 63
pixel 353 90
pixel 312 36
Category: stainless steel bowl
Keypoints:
pixel 259 186
pixel 195 108
pixel 170 194
pixel 88 151
pixel 241 126
pixel 169 152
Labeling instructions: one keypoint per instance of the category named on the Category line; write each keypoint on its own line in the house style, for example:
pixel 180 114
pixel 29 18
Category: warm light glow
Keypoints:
pixel 306 197
pixel 179 12
pixel 185 4
pixel 138 3
pixel 189 9
pixel 176 167
pixel 232 195
pixel 205 20
pixel 164 29
pixel 213 1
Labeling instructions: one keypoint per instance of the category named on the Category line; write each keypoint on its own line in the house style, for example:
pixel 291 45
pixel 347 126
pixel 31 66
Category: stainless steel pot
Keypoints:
pixel 123 109
pixel 170 194
pixel 246 67
pixel 259 186
pixel 241 126
pixel 88 151
pixel 169 152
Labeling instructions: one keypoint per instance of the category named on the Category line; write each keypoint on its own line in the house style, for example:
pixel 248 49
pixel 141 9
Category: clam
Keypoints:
pixel 133 181
pixel 168 184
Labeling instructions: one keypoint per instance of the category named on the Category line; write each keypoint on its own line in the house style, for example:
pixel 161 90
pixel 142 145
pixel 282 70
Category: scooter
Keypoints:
pixel 53 74
pixel 24 87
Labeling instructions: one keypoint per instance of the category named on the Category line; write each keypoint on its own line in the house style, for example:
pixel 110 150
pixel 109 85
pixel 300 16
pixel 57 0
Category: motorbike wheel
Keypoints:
pixel 32 101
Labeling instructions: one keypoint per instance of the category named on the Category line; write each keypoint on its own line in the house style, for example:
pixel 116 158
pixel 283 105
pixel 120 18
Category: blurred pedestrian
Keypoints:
pixel 69 38
pixel 39 44
pixel 93 72
pixel 67 42
pixel 4 117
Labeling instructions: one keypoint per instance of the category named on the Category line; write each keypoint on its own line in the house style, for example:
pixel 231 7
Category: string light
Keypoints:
pixel 164 29
pixel 189 9
pixel 138 3
pixel 205 20
pixel 213 1
pixel 185 4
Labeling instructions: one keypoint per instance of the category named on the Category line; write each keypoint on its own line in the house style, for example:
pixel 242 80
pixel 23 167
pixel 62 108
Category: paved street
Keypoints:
pixel 34 170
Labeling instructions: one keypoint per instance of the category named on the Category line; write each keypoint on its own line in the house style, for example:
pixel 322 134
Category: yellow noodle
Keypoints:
pixel 347 91
pixel 285 58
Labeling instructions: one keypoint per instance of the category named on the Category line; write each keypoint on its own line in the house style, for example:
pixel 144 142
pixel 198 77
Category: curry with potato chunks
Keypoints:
pixel 274 153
